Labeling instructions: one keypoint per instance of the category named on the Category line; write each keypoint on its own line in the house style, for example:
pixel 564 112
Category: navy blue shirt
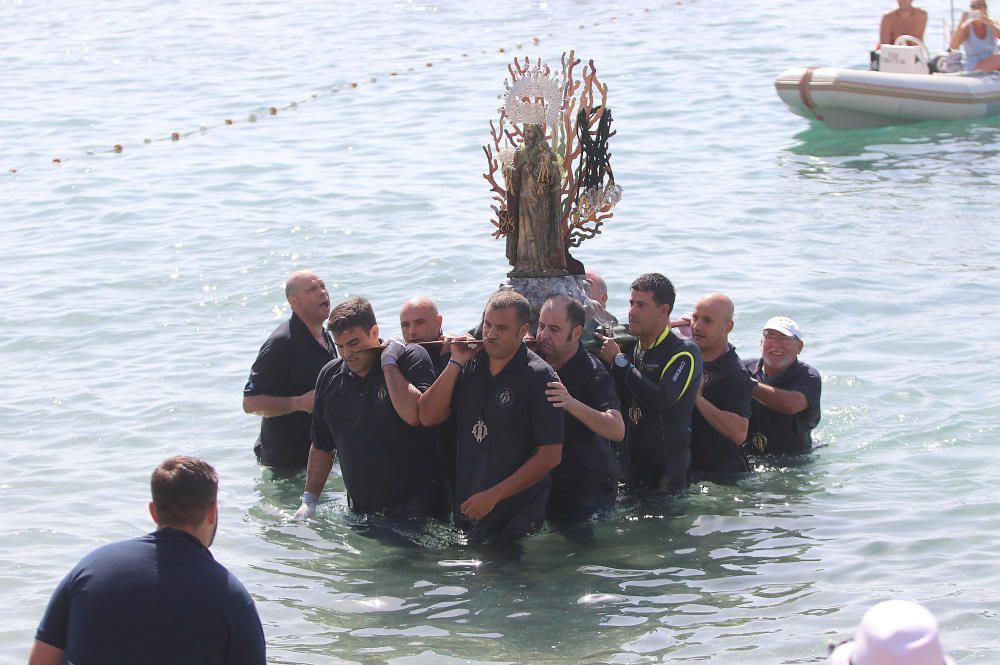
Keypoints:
pixel 658 393
pixel 587 476
pixel 772 432
pixel 389 467
pixel 287 365
pixel 160 599
pixel 500 422
pixel 727 386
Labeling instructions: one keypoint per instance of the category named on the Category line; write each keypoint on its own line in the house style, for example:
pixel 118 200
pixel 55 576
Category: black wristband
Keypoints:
pixel 452 361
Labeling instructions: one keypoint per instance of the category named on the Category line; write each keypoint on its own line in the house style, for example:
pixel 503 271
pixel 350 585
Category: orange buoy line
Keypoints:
pixel 254 116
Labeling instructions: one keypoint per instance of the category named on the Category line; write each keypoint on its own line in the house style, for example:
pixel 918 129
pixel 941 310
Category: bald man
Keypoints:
pixel 282 380
pixel 722 407
pixel 599 294
pixel 419 321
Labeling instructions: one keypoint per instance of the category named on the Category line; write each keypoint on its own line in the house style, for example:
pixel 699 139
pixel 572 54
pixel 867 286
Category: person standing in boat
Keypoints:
pixel 658 383
pixel 158 598
pixel 722 408
pixel 365 412
pixel 282 379
pixel 509 436
pixel 586 481
pixel 977 36
pixel 786 392
pixel 905 20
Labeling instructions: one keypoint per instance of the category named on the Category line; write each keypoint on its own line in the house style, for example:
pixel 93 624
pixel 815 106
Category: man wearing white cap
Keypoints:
pixel 896 632
pixel 786 392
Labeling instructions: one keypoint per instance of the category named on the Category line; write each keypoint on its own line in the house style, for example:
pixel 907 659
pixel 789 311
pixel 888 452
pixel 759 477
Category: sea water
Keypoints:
pixel 136 288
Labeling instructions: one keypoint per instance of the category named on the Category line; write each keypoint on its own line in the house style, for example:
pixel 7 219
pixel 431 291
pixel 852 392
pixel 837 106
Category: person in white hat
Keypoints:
pixel 786 392
pixel 895 632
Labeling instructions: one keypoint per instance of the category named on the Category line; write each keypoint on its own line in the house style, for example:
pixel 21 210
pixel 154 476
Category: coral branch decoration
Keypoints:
pixel 572 108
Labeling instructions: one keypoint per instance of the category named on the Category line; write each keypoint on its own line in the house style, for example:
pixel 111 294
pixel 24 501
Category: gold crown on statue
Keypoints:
pixel 534 99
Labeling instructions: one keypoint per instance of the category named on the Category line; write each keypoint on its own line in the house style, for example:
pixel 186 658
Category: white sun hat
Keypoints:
pixel 895 632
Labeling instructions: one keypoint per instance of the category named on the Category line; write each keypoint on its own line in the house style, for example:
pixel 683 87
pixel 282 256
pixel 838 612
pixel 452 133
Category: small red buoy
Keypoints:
pixel 353 84
pixel 273 110
pixel 11 170
pixel 56 160
pixel 175 136
pixel 229 121
pixel 118 147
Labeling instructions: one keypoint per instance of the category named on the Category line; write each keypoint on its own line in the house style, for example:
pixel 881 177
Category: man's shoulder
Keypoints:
pixel 751 364
pixel 330 371
pixel 808 371
pixel 536 366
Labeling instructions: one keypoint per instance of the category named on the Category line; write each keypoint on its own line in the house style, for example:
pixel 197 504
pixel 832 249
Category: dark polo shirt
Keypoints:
pixel 772 432
pixel 500 422
pixel 287 365
pixel 727 386
pixel 389 467
pixel 587 476
pixel 658 394
pixel 159 599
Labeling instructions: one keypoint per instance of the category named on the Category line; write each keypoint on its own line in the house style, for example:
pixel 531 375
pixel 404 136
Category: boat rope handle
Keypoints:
pixel 804 92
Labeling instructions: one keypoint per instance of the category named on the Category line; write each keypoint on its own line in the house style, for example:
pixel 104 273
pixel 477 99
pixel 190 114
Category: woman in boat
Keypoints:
pixel 977 35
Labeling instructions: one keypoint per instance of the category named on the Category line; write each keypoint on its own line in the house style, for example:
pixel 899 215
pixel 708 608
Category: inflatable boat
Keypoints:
pixel 858 98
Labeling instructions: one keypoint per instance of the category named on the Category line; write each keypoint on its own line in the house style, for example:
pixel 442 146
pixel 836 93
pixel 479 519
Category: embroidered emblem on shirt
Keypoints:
pixel 759 441
pixel 505 397
pixel 382 394
pixel 479 431
pixel 635 414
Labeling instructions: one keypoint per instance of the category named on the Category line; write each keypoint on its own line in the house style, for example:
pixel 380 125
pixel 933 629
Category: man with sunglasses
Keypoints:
pixel 786 392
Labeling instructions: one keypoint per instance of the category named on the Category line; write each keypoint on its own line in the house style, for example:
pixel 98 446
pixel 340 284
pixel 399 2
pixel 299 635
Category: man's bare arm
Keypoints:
pixel 45 654
pixel 271 406
pixel 608 424
pixel 731 425
pixel 784 401
pixel 404 395
pixel 545 458
pixel 318 469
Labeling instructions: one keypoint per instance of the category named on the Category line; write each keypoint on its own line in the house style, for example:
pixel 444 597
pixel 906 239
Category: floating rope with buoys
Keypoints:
pixel 325 91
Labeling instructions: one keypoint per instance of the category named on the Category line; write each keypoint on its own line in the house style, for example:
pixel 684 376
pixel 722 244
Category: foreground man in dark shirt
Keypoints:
pixel 366 413
pixel 280 387
pixel 722 407
pixel 586 481
pixel 509 435
pixel 658 385
pixel 786 392
pixel 161 598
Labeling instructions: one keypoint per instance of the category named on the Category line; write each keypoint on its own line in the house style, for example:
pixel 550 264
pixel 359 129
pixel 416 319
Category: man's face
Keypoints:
pixel 351 345
pixel 557 338
pixel 645 317
pixel 779 350
pixel 419 323
pixel 310 299
pixel 501 334
pixel 710 325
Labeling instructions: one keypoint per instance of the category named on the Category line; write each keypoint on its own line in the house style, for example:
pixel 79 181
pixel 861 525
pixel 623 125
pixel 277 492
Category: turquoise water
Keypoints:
pixel 135 289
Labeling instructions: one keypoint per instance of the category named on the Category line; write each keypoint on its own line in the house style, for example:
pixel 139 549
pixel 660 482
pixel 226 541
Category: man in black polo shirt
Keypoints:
pixel 658 383
pixel 366 411
pixel 722 407
pixel 509 435
pixel 786 392
pixel 160 598
pixel 586 480
pixel 419 321
pixel 283 378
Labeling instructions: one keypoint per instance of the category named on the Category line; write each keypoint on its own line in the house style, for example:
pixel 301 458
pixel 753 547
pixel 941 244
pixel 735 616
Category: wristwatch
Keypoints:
pixel 621 361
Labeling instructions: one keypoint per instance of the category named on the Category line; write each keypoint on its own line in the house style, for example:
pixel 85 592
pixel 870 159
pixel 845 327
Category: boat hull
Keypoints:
pixel 857 98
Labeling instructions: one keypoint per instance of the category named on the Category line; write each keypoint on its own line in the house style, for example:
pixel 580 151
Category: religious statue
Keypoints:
pixel 535 244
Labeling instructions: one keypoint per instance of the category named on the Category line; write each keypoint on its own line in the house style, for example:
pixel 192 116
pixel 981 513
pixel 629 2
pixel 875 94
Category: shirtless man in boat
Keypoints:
pixel 907 20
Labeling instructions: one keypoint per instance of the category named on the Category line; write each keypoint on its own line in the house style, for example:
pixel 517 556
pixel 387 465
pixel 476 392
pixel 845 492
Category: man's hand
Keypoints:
pixel 479 505
pixel 461 351
pixel 558 394
pixel 306 401
pixel 609 349
pixel 393 350
pixel 308 507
